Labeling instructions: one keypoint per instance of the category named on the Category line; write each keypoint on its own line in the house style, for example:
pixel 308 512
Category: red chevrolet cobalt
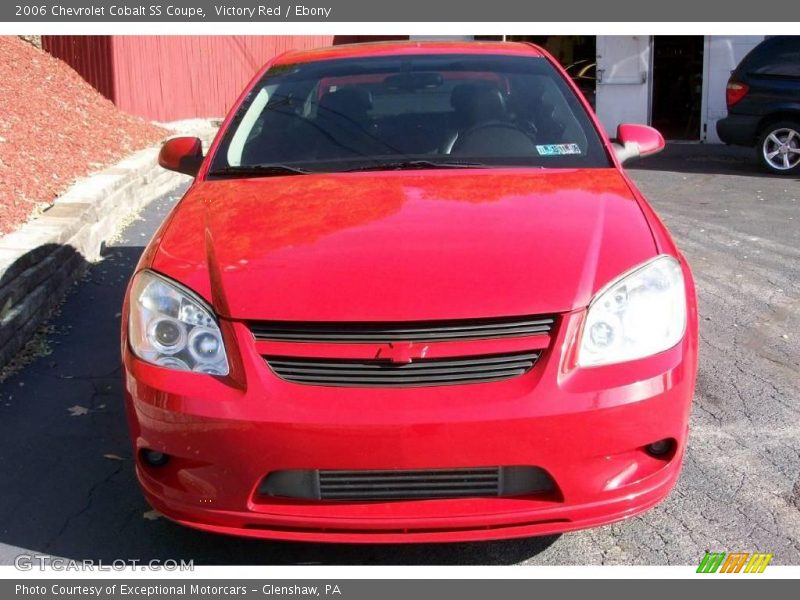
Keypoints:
pixel 411 296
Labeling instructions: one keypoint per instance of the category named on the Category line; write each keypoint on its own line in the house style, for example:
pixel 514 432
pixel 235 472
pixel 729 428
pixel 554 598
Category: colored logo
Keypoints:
pixel 734 562
pixel 401 352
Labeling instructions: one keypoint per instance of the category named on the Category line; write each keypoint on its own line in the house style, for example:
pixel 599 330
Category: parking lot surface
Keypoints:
pixel 65 463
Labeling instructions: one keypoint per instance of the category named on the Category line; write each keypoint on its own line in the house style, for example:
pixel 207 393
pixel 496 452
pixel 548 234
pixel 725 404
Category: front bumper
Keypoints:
pixel 586 427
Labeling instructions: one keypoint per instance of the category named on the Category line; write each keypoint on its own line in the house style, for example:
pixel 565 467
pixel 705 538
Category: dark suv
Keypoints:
pixel 763 98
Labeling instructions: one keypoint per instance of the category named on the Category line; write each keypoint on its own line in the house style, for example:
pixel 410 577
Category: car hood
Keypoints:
pixel 404 245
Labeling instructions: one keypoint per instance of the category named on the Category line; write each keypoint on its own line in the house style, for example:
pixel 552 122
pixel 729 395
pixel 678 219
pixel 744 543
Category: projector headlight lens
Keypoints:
pixel 640 314
pixel 171 327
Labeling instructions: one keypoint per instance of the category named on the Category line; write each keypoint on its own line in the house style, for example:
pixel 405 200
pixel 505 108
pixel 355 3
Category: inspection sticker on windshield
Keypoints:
pixel 558 149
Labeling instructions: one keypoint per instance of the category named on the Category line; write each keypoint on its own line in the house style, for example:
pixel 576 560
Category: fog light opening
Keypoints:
pixel 154 458
pixel 661 448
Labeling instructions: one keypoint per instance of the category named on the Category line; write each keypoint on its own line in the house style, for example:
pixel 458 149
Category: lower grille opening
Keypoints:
pixel 418 484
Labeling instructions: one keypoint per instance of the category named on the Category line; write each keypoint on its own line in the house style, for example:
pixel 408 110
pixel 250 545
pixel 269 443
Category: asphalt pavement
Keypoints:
pixel 66 474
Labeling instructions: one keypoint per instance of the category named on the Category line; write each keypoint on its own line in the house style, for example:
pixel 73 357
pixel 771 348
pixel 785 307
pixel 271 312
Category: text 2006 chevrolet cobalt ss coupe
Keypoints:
pixel 410 296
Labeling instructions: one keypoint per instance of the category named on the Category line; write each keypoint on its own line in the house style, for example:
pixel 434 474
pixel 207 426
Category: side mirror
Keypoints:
pixel 634 141
pixel 182 154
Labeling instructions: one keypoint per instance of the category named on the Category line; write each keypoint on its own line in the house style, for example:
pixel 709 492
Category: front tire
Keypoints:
pixel 779 148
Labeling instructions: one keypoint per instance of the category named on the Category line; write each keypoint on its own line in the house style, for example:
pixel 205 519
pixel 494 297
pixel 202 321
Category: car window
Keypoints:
pixel 347 114
pixel 775 57
pixel 392 99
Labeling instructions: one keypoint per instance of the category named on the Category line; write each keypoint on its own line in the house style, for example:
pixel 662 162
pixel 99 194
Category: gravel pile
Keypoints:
pixel 54 128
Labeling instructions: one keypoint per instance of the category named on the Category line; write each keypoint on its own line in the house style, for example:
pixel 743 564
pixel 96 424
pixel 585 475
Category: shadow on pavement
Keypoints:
pixel 66 474
pixel 712 159
pixel 30 288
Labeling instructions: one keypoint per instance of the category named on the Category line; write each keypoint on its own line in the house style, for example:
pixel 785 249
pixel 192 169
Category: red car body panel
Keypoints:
pixel 410 246
pixel 505 242
pixel 404 48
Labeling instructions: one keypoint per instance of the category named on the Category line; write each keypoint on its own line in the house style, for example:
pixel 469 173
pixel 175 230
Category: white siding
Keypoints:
pixel 722 54
pixel 623 86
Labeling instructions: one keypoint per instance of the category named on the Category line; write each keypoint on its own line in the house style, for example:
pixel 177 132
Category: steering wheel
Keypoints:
pixel 495 137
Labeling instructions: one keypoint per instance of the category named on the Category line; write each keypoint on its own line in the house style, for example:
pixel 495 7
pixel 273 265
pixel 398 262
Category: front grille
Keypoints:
pixel 421 372
pixel 354 485
pixel 344 485
pixel 419 331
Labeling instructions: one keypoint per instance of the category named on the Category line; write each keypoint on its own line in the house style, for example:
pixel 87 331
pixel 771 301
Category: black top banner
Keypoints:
pixel 711 11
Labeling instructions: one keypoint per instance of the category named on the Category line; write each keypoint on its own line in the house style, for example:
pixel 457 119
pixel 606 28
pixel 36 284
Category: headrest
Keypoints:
pixel 487 104
pixel 461 94
pixel 479 101
pixel 348 101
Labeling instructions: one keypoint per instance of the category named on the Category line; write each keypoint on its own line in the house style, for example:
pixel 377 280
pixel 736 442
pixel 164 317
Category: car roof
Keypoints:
pixel 405 48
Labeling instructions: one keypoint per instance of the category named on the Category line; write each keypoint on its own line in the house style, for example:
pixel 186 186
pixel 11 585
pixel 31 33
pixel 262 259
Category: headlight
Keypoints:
pixel 171 327
pixel 640 314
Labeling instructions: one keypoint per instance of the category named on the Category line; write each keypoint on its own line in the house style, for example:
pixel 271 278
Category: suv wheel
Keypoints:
pixel 779 148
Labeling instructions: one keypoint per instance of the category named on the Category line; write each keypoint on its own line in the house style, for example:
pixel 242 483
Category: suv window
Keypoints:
pixel 346 114
pixel 774 57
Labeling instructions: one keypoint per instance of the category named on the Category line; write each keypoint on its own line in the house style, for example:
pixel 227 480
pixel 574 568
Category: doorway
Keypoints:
pixel 677 85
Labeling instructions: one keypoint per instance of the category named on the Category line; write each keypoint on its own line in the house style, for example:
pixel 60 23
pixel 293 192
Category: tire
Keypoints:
pixel 778 148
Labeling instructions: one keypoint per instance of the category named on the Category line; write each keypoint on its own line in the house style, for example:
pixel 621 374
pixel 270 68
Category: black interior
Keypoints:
pixel 350 113
pixel 482 119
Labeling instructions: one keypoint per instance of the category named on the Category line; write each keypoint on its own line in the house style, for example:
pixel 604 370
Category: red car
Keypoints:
pixel 411 296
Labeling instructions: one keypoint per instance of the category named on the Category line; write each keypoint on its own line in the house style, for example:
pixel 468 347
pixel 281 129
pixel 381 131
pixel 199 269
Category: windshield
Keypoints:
pixel 409 112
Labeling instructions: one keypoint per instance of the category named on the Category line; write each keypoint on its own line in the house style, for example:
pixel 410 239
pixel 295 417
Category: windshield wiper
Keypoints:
pixel 265 170
pixel 409 165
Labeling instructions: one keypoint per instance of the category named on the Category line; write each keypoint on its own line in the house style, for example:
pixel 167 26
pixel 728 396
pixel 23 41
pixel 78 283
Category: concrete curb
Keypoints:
pixel 40 260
